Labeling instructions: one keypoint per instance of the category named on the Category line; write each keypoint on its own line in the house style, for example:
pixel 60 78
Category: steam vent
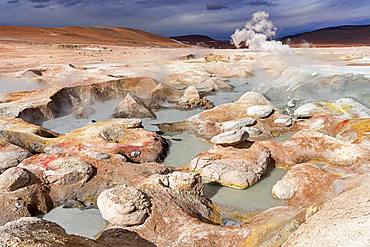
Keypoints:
pixel 121 137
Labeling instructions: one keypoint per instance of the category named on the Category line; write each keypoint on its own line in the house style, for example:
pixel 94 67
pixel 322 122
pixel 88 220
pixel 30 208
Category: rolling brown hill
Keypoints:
pixel 85 35
pixel 351 35
pixel 204 41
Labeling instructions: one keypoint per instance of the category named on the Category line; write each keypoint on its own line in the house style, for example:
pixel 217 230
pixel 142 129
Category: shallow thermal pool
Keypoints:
pixel 183 147
pixel 257 197
pixel 83 222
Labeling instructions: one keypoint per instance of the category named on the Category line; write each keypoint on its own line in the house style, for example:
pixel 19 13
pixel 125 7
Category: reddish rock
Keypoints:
pixel 177 216
pixel 308 145
pixel 32 200
pixel 53 169
pixel 13 179
pixel 343 221
pixel 11 155
pixel 83 185
pixel 306 184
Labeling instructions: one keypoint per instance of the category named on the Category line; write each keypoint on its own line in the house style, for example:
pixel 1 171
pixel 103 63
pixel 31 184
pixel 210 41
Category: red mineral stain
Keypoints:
pixel 46 160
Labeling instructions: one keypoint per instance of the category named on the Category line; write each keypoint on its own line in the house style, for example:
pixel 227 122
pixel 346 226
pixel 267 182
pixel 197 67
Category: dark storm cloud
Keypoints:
pixel 40 1
pixel 40 6
pixel 12 1
pixel 69 3
pixel 217 18
pixel 216 5
pixel 261 3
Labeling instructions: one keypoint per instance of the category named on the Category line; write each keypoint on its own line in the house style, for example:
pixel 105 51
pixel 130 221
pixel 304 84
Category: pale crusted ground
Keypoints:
pixel 59 66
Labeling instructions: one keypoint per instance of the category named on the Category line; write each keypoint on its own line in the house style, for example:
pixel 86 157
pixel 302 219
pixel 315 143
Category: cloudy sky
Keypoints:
pixel 217 18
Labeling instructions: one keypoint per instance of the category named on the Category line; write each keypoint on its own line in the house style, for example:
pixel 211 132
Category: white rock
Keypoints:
pixel 190 94
pixel 284 189
pixel 242 169
pixel 182 181
pixel 306 110
pixel 124 205
pixel 260 111
pixel 237 124
pixel 253 98
pixel 285 122
pixel 230 137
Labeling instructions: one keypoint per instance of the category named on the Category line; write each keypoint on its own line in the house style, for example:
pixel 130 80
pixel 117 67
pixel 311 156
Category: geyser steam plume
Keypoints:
pixel 257 34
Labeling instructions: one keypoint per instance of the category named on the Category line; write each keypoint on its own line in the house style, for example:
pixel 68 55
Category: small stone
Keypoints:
pixel 135 154
pixel 131 122
pixel 190 94
pixel 188 57
pixel 260 111
pixel 285 122
pixel 284 190
pixel 230 137
pixel 124 205
pixel 253 98
pixel 98 155
pixel 292 103
pixel 120 157
pixel 183 181
pixel 306 110
pixel 14 178
pixel 73 204
pixel 132 107
pixel 237 124
pixel 192 100
pixel 252 132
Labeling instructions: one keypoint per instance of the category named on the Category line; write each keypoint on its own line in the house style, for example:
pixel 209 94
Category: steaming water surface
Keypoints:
pixel 9 85
pixel 103 111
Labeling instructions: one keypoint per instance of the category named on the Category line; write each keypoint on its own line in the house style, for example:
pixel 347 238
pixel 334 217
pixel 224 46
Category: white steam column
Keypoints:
pixel 257 35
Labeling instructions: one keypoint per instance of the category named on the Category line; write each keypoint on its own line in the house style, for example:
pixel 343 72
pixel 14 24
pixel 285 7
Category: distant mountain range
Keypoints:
pixel 350 35
pixel 326 37
pixel 204 41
